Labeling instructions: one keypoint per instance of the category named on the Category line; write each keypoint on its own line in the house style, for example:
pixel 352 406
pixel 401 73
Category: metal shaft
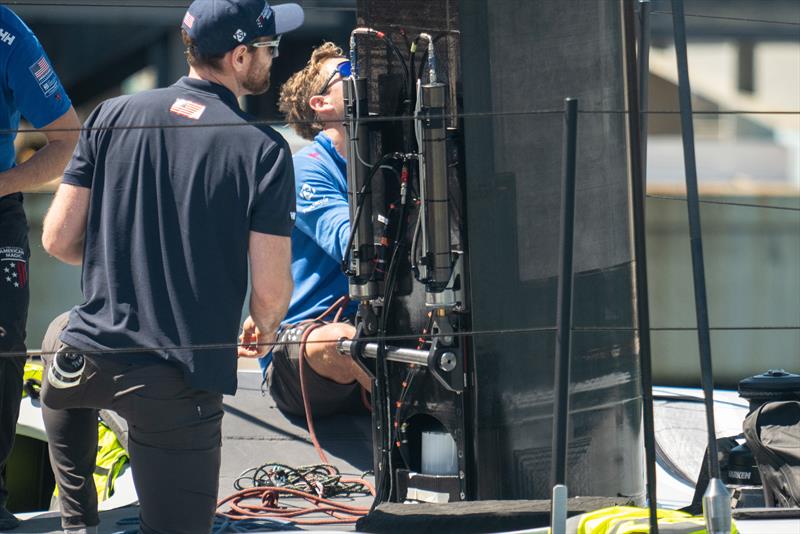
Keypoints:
pixel 636 140
pixel 696 239
pixel 558 512
pixel 362 249
pixel 436 230
pixel 394 354
pixel 564 314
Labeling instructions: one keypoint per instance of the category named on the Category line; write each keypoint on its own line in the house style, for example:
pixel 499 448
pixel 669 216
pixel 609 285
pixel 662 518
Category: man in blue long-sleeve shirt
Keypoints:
pixel 312 101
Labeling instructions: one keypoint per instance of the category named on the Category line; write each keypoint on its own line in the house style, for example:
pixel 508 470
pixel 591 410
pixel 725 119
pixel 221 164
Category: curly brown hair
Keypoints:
pixel 304 84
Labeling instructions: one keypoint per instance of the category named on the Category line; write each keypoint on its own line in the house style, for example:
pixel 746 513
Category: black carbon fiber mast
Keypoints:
pixel 636 134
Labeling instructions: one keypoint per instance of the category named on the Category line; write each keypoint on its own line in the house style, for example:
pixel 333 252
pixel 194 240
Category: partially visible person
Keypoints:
pixel 312 101
pixel 29 87
pixel 164 222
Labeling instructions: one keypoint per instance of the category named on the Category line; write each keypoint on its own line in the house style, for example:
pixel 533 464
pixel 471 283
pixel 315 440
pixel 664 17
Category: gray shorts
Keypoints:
pixel 326 397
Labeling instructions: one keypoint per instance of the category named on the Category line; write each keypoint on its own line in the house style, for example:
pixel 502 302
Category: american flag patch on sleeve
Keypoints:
pixel 45 76
pixel 187 108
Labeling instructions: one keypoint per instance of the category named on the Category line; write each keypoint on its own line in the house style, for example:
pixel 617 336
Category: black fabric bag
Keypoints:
pixel 772 432
pixel 724 446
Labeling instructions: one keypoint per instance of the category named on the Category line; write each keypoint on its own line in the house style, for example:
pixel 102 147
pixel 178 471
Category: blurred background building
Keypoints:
pixel 743 56
pixel 744 62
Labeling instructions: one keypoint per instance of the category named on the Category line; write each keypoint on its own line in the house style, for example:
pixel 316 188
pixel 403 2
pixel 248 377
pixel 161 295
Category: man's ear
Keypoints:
pixel 238 58
pixel 319 103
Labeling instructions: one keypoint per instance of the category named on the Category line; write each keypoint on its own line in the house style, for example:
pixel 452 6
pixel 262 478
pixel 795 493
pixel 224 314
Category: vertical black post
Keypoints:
pixel 644 76
pixel 564 313
pixel 698 269
pixel 638 190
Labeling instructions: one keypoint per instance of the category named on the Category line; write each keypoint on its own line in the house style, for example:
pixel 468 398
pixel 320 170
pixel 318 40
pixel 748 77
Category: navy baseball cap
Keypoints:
pixel 216 26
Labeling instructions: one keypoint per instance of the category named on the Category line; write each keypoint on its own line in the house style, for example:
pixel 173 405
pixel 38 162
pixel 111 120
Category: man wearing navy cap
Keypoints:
pixel 164 222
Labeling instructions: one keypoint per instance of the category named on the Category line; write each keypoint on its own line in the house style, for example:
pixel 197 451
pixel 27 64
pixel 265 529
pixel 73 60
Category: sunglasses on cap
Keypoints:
pixel 342 69
pixel 272 45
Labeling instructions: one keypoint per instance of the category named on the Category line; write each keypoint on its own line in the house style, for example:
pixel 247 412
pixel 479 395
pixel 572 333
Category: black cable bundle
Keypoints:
pixel 324 480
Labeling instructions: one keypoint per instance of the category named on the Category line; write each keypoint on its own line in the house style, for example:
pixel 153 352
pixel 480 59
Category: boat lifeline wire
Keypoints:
pixel 406 118
pixel 183 5
pixel 415 337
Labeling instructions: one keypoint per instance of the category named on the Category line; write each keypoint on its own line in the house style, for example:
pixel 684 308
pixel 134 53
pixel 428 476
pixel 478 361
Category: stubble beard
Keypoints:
pixel 256 83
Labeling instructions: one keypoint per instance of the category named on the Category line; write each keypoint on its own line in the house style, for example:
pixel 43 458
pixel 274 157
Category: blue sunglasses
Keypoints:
pixel 342 69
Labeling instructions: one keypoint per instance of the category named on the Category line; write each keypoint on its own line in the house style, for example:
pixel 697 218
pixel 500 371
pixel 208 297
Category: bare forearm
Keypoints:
pixel 268 313
pixel 271 281
pixel 64 228
pixel 67 250
pixel 72 255
pixel 46 165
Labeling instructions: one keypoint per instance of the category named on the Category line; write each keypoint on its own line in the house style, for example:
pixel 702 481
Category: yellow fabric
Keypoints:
pixel 32 371
pixel 632 520
pixel 111 458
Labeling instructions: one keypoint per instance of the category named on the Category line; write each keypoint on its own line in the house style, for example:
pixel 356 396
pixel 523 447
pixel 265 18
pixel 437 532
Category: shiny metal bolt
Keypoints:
pixel 447 361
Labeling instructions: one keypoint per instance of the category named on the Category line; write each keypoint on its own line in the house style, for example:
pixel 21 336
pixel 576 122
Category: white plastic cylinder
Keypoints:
pixel 439 454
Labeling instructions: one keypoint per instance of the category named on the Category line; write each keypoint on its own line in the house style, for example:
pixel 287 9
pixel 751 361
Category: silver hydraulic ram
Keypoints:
pixel 362 249
pixel 394 354
pixel 435 216
pixel 443 363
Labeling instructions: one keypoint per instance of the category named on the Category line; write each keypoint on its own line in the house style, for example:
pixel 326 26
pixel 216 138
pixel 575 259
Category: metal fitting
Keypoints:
pixel 447 361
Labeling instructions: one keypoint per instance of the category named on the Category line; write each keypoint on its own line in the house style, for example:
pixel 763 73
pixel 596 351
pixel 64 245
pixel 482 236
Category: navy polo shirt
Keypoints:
pixel 179 178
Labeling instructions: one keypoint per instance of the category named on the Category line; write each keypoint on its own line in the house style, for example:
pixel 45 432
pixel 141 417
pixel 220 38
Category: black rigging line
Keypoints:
pixel 384 119
pixel 93 4
pixel 726 203
pixel 149 5
pixel 312 7
pixel 732 19
pixel 654 197
pixel 415 337
pixel 688 328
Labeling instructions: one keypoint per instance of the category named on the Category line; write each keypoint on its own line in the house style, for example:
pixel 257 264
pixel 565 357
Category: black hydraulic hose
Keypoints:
pixel 360 204
pixel 406 76
pixel 381 394
pixel 391 279
pixel 391 271
pixel 695 233
pixel 564 314
pixel 380 403
pixel 412 61
pixel 636 135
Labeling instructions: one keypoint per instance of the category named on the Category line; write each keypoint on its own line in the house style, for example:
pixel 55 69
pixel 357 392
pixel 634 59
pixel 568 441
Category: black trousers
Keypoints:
pixel 174 441
pixel 14 298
